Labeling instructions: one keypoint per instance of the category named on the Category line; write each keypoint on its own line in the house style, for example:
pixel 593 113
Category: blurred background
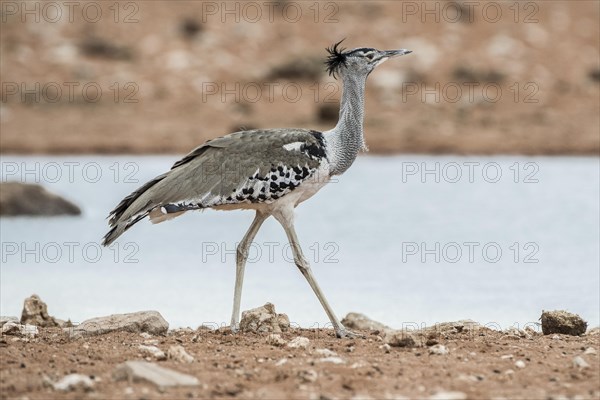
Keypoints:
pixel 92 91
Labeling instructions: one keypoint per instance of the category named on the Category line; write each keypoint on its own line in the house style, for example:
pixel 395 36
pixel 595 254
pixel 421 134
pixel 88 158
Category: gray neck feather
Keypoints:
pixel 346 140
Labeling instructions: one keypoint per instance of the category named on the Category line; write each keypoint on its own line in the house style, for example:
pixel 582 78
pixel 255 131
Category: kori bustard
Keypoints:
pixel 269 171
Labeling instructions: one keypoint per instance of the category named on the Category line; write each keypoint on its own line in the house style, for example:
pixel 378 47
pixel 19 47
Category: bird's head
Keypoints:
pixel 360 61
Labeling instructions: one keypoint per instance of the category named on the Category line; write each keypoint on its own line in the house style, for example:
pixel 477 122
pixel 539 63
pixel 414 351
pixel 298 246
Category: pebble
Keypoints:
pixel 386 347
pixel 281 362
pixel 153 351
pixel 160 376
pixel 443 395
pixel 73 382
pixel 308 375
pixel 520 364
pixel 507 357
pixel 333 360
pixel 326 352
pixel 590 350
pixel 275 339
pixel 438 349
pixel 178 353
pixel 580 363
pixel 299 342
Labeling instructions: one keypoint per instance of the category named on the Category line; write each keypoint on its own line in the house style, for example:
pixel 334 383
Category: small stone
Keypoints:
pixel 264 319
pixel 555 337
pixel 590 350
pixel 178 353
pixel 399 338
pixel 74 382
pixel 507 357
pixel 160 376
pixel 145 335
pixel 299 342
pixel 275 339
pixel 5 319
pixel 386 347
pixel 144 321
pixel 153 351
pixel 580 363
pixel 562 322
pixel 360 321
pixel 438 349
pixel 308 375
pixel 326 352
pixel 16 329
pixel 35 312
pixel 448 396
pixel 333 360
pixel 520 364
pixel 281 362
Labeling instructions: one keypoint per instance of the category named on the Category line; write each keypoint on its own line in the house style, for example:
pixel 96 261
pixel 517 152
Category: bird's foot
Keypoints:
pixel 348 334
pixel 235 328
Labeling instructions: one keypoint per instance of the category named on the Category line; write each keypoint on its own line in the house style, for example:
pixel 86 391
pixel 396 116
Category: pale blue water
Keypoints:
pixel 371 238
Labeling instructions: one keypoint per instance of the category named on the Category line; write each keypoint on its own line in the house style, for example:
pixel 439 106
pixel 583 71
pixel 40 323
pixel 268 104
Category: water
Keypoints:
pixel 389 239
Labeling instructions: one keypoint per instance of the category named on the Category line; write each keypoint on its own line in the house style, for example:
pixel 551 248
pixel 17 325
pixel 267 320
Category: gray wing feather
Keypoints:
pixel 211 173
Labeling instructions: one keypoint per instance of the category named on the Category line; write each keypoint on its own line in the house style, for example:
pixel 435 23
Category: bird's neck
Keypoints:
pixel 346 139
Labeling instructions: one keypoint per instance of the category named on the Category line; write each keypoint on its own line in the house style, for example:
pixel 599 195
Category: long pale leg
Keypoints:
pixel 286 220
pixel 241 257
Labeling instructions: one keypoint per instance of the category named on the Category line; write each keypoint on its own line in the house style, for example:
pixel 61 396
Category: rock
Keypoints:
pixel 520 364
pixel 153 351
pixel 580 363
pixel 333 360
pixel 160 376
pixel 144 321
pixel 5 319
pixel 386 347
pixel 448 396
pixel 26 199
pixel 299 342
pixel 590 350
pixel 400 338
pixel 326 352
pixel 562 322
pixel 16 329
pixel 178 353
pixel 35 312
pixel 264 319
pixel 439 349
pixel 362 322
pixel 275 339
pixel 445 328
pixel 74 382
pixel 308 375
pixel 593 331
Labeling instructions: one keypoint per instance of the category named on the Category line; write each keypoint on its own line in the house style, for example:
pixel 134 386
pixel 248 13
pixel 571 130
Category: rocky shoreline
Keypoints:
pixel 136 356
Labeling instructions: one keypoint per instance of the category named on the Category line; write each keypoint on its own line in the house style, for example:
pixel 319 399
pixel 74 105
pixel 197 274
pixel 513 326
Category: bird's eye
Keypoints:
pixel 370 56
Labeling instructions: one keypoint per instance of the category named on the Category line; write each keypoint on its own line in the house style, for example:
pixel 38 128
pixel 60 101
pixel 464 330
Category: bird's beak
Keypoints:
pixel 396 53
pixel 387 54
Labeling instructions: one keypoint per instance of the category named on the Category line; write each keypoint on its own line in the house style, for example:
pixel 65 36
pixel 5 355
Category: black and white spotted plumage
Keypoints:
pixel 239 170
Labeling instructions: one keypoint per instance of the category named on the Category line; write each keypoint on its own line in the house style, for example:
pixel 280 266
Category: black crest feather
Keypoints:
pixel 336 58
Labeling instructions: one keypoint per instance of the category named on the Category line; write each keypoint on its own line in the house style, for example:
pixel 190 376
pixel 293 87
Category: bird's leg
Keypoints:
pixel 286 220
pixel 241 257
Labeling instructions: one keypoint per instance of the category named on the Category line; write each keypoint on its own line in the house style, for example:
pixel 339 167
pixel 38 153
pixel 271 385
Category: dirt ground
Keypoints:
pixel 162 76
pixel 480 365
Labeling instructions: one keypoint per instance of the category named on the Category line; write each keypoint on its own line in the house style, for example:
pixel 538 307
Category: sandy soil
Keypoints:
pixel 479 365
pixel 539 65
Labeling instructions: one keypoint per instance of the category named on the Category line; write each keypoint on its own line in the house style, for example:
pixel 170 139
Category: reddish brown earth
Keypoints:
pixel 539 62
pixel 245 366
